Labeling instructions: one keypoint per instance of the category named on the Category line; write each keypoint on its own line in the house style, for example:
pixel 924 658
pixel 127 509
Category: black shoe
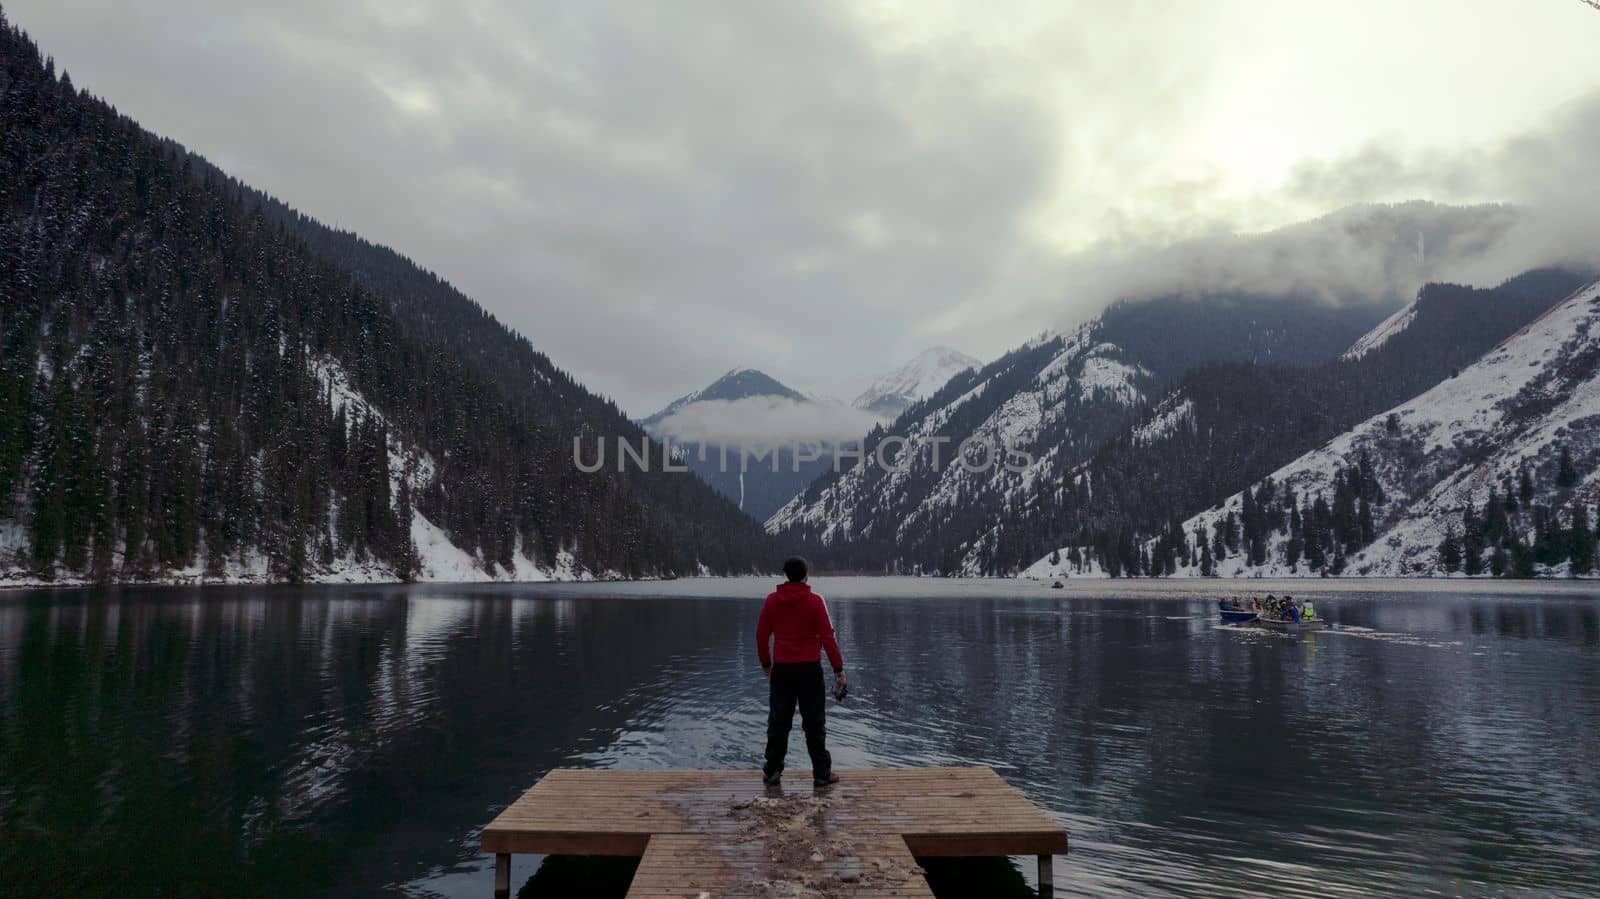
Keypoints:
pixel 827 780
pixel 772 780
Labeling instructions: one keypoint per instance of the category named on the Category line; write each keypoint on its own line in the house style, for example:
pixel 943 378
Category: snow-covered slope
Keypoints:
pixel 895 392
pixel 1053 398
pixel 1058 398
pixel 1384 332
pixel 1520 410
pixel 438 558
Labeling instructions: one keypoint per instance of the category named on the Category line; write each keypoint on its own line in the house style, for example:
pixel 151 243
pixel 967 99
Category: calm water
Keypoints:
pixel 349 741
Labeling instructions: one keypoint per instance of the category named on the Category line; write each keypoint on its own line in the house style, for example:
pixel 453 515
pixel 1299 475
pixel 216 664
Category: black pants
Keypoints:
pixel 792 683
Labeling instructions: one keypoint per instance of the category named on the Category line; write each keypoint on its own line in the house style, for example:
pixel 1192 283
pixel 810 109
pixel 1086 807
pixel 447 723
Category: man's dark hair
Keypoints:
pixel 795 569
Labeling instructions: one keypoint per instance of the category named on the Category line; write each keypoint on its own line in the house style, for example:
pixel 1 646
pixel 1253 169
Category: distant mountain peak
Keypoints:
pixel 740 383
pixel 736 384
pixel 893 393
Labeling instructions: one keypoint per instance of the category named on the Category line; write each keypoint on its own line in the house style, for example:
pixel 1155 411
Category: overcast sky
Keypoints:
pixel 657 192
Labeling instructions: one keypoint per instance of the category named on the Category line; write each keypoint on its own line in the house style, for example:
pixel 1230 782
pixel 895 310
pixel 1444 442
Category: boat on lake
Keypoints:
pixel 1294 627
pixel 1233 613
pixel 1267 614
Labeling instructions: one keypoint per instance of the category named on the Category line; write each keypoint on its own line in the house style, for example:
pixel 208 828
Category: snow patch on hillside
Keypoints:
pixel 1103 377
pixel 1059 566
pixel 440 560
pixel 1383 332
pixel 1172 414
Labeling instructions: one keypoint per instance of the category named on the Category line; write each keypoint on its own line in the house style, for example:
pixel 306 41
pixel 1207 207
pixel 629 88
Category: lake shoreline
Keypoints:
pixel 684 586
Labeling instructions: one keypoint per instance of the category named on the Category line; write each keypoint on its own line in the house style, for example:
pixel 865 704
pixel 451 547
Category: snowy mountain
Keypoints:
pixel 737 384
pixel 1056 400
pixel 893 393
pixel 755 440
pixel 871 511
pixel 1466 315
pixel 1494 471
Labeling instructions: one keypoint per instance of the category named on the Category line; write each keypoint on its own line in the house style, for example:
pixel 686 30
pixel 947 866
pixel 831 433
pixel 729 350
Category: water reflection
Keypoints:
pixel 348 741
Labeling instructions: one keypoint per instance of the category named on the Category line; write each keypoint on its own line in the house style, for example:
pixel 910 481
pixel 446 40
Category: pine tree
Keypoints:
pixel 1550 546
pixel 1471 541
pixel 1450 551
pixel 1523 563
pixel 1581 541
pixel 1566 472
pixel 1494 517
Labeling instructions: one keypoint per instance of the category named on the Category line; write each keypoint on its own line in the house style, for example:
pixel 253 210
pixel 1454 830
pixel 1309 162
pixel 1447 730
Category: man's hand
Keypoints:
pixel 766 670
pixel 839 680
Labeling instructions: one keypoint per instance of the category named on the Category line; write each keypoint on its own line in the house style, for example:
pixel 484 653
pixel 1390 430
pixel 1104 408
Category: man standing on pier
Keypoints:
pixel 796 622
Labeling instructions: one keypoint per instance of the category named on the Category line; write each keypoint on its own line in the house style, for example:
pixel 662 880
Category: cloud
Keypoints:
pixel 656 192
pixel 1550 173
pixel 1375 253
pixel 765 421
pixel 1528 200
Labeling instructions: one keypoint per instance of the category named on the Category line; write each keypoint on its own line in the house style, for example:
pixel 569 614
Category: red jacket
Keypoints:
pixel 796 620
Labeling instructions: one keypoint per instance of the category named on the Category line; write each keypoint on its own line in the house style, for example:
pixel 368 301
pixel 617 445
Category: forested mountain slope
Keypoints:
pixel 1491 471
pixel 195 382
pixel 1058 398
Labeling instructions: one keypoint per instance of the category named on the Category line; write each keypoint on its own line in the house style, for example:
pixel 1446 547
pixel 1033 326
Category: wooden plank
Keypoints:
pixel 724 830
pixel 682 864
pixel 565 842
pixel 996 843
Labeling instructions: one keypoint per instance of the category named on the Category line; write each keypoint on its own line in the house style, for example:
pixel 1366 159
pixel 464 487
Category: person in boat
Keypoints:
pixel 1307 611
pixel 795 621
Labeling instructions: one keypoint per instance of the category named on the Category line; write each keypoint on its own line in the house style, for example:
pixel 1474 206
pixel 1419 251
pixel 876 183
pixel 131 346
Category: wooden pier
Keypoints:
pixel 724 833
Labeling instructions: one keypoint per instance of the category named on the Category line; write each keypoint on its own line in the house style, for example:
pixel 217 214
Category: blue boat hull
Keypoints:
pixel 1238 616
